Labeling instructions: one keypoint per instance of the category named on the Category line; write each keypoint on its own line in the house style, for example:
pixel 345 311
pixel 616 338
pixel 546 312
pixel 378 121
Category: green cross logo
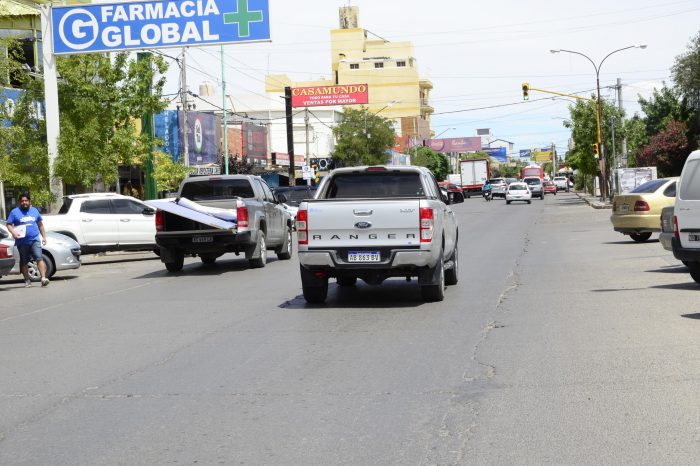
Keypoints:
pixel 243 17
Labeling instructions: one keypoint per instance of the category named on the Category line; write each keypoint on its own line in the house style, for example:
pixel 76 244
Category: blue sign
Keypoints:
pixel 498 153
pixel 167 128
pixel 109 27
pixel 525 153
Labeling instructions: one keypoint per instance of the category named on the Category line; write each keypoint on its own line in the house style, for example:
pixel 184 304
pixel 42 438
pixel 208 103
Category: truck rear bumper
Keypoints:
pixel 398 259
pixel 217 241
pixel 684 254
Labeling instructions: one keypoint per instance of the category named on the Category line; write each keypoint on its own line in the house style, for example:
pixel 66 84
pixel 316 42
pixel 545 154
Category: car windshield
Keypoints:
pixel 649 186
pixel 296 196
pixel 532 181
pixel 67 201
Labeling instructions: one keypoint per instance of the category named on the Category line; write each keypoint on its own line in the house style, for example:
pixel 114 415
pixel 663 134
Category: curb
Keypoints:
pixel 593 201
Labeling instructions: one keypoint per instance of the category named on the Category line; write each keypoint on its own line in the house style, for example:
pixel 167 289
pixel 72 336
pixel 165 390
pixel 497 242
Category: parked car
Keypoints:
pixel 292 196
pixel 59 253
pixel 105 222
pixel 7 255
pixel 518 191
pixel 548 187
pixel 535 185
pixel 562 183
pixel 498 187
pixel 686 238
pixel 637 213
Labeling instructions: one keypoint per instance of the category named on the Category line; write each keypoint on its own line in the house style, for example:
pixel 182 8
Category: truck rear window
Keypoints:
pixel 375 185
pixel 207 190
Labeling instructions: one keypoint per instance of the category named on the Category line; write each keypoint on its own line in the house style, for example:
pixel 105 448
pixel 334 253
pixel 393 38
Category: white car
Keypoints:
pixel 518 191
pixel 686 238
pixel 105 222
pixel 561 183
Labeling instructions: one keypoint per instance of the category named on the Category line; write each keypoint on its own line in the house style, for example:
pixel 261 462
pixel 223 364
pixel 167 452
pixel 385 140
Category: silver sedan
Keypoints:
pixel 60 253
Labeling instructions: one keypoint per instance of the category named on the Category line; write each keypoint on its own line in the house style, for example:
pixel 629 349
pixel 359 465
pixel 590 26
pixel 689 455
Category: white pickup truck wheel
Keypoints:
pixel 315 289
pixel 285 251
pixel 435 292
pixel 260 261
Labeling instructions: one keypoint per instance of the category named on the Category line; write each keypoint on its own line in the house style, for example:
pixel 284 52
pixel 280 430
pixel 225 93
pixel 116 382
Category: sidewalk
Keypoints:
pixel 593 201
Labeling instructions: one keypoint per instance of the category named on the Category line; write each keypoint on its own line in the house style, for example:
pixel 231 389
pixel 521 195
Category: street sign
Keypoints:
pixel 307 172
pixel 109 27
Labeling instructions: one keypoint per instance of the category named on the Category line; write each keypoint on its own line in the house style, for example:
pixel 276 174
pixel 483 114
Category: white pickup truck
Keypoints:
pixel 374 223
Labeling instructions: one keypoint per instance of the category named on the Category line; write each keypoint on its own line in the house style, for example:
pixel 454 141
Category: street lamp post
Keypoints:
pixel 604 171
pixel 389 104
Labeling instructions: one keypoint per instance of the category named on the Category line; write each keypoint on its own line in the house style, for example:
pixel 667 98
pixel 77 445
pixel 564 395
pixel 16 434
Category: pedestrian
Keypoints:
pixel 25 224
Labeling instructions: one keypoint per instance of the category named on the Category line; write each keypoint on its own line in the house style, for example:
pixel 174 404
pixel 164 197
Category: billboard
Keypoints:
pixel 279 158
pixel 447 145
pixel 525 154
pixel 543 155
pixel 498 153
pixel 167 127
pixel 255 143
pixel 110 27
pixel 204 134
pixel 344 94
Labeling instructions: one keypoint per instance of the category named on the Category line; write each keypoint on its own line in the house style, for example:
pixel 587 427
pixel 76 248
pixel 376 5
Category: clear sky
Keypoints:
pixel 477 54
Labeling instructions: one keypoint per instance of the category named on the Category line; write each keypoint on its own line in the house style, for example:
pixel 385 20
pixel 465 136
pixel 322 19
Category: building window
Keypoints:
pixel 379 65
pixel 400 63
pixel 354 66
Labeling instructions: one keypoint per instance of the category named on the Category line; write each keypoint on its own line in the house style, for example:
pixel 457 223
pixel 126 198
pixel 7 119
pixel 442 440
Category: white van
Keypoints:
pixel 686 240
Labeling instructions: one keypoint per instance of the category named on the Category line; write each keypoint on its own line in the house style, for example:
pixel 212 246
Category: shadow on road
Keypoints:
pixel 199 269
pixel 102 260
pixel 692 286
pixel 695 316
pixel 391 294
pixel 612 290
pixel 631 241
pixel 670 269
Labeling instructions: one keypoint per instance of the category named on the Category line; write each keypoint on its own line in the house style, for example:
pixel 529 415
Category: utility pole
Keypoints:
pixel 225 114
pixel 621 107
pixel 183 99
pixel 554 162
pixel 290 133
pixel 308 158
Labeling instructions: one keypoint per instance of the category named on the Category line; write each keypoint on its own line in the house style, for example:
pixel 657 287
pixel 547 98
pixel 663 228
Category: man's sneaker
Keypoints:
pixel 44 282
pixel 27 284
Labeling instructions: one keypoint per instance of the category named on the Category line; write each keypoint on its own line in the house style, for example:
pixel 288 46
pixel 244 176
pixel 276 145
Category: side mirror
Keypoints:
pixel 281 198
pixel 148 211
pixel 455 198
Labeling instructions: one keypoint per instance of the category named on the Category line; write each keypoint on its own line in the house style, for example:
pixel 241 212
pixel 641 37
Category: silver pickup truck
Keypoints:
pixel 374 223
pixel 261 222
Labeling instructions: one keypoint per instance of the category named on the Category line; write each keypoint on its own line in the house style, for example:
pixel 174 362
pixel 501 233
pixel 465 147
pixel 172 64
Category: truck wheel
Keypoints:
pixel 433 293
pixel 285 251
pixel 315 289
pixel 177 263
pixel 694 268
pixel 346 281
pixel 452 275
pixel 640 237
pixel 260 261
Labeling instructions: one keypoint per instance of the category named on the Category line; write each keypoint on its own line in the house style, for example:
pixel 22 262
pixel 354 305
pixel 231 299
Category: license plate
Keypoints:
pixel 364 256
pixel 624 208
pixel 203 239
pixel 693 237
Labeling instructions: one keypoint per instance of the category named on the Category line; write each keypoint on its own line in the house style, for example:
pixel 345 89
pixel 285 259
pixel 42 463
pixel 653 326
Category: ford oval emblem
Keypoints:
pixel 363 225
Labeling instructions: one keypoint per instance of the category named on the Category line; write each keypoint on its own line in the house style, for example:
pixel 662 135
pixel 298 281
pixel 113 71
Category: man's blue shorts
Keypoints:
pixel 29 251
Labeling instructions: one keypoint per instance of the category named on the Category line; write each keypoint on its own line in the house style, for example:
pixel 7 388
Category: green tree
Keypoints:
pixel 434 161
pixel 168 173
pixel 686 74
pixel 100 100
pixel 664 105
pixel 363 138
pixel 635 129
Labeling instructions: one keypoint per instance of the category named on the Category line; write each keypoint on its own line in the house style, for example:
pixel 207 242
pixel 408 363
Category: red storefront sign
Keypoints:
pixel 342 94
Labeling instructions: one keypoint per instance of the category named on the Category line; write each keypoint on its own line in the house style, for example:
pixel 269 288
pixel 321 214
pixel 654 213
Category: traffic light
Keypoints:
pixel 526 91
pixel 316 173
pixel 596 151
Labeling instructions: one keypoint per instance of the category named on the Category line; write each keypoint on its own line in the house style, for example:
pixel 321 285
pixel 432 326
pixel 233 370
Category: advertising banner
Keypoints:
pixel 110 27
pixel 630 178
pixel 255 142
pixel 344 94
pixel 542 156
pixel 279 158
pixel 525 154
pixel 498 153
pixel 447 145
pixel 204 134
pixel 166 127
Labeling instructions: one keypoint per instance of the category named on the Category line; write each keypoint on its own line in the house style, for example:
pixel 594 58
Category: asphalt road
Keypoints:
pixel 563 343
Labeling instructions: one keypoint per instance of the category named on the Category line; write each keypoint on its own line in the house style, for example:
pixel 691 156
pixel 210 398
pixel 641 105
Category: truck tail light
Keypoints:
pixel 159 220
pixel 241 214
pixel 427 224
pixel 676 231
pixel 641 206
pixel 303 227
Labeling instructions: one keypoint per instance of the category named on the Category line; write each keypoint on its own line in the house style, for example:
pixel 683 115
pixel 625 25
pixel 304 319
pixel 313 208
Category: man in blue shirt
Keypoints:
pixel 25 225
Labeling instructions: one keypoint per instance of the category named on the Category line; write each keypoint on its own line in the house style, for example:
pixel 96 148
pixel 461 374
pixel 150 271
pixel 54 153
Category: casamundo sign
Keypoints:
pixel 108 27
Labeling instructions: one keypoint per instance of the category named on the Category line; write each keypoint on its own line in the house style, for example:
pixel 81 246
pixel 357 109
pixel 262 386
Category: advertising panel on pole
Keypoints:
pixel 255 143
pixel 542 156
pixel 282 159
pixel 167 128
pixel 204 134
pixel 497 153
pixel 525 154
pixel 118 26
pixel 471 144
pixel 317 96
pixel 630 178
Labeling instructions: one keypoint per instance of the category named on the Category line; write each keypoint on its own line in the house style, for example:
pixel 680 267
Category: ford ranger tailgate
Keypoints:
pixel 363 223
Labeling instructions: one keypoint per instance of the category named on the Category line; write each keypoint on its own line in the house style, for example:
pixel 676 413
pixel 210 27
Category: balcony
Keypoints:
pixel 425 84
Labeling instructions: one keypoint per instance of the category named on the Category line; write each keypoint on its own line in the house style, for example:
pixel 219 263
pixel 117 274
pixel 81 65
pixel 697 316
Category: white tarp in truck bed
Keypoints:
pixel 191 210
